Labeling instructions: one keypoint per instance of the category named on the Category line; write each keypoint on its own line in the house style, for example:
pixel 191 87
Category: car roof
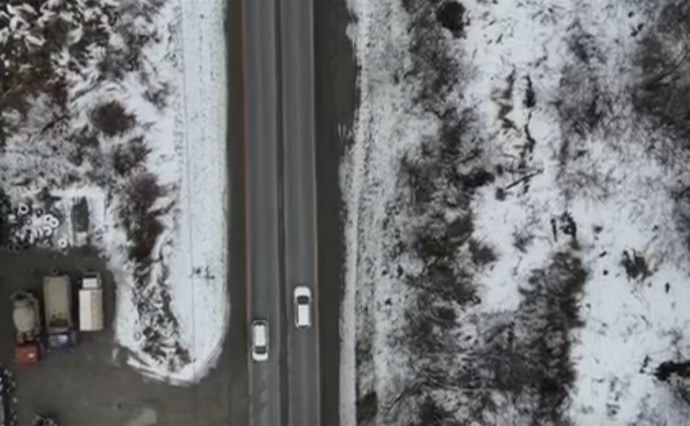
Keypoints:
pixel 260 332
pixel 303 315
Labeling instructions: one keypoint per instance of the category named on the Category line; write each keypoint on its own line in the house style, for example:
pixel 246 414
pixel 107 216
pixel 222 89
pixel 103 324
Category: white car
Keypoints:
pixel 259 340
pixel 302 298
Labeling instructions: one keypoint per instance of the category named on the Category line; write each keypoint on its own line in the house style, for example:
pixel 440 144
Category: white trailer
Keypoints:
pixel 57 295
pixel 91 303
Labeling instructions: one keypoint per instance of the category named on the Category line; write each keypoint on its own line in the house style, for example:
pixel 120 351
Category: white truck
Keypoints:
pixel 57 296
pixel 91 303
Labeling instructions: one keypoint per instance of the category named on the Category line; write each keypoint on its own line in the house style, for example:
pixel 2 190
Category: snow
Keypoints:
pixel 619 192
pixel 624 321
pixel 177 100
pixel 348 328
pixel 364 165
pixel 197 256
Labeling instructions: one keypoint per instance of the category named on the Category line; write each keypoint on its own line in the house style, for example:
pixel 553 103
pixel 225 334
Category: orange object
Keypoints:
pixel 26 354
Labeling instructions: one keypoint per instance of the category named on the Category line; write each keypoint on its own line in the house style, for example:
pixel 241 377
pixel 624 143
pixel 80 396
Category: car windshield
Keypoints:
pixel 260 350
pixel 302 300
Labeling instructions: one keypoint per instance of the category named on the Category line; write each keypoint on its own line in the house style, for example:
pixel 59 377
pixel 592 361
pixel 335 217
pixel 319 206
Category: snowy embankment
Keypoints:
pixel 518 217
pixel 197 253
pixel 113 122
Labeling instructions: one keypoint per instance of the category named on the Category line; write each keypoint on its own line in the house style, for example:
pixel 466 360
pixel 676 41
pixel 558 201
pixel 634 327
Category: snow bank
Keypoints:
pixel 195 142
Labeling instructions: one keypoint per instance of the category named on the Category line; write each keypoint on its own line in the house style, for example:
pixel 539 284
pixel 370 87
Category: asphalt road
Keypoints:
pixel 237 344
pixel 299 189
pixel 263 203
pixel 280 198
pixel 336 99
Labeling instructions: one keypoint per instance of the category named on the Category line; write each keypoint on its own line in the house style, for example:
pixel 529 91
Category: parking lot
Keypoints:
pixel 90 385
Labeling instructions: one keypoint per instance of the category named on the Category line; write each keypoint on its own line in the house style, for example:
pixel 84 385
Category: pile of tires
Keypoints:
pixel 29 227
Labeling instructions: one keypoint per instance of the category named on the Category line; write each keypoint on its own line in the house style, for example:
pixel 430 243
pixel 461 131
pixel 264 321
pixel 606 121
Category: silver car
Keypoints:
pixel 259 340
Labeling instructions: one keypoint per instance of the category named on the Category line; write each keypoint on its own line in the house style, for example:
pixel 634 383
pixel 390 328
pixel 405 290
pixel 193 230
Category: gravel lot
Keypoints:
pixel 89 386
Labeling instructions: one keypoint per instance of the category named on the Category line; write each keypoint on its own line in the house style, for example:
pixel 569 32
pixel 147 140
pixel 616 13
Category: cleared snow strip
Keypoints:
pixel 190 154
pixel 504 41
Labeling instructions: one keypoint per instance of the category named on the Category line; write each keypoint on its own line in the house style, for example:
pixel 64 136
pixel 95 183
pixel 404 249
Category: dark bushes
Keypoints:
pixel 142 222
pixel 451 16
pixel 112 119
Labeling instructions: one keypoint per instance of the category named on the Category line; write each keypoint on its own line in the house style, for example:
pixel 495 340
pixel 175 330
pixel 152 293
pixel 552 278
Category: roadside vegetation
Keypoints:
pixel 518 213
pixel 456 362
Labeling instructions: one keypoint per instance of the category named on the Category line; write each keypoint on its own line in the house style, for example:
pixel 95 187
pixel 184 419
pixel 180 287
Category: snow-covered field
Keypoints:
pixel 114 111
pixel 518 213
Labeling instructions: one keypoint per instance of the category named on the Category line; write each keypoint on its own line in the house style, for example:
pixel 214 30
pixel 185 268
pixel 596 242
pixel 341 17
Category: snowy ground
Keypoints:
pixel 517 232
pixel 120 107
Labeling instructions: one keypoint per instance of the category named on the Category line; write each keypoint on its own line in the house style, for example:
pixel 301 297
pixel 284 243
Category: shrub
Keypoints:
pixel 367 407
pixel 128 157
pixel 141 221
pixel 635 266
pixel 112 119
pixel 450 14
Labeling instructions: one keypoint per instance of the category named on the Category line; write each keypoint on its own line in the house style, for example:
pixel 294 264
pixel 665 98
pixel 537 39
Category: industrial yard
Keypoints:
pixel 89 383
